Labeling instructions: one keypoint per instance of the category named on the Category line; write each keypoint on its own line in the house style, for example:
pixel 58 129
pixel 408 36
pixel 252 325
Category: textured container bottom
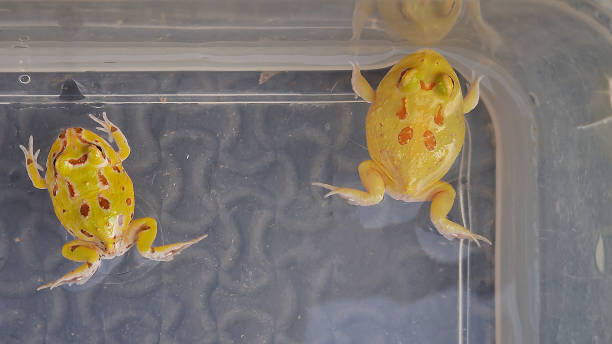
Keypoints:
pixel 281 263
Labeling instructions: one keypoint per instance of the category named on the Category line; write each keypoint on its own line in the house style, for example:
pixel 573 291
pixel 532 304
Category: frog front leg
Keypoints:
pixel 361 86
pixel 372 180
pixel 114 133
pixel 78 251
pixel 32 165
pixel 473 95
pixel 442 197
pixel 362 11
pixel 143 232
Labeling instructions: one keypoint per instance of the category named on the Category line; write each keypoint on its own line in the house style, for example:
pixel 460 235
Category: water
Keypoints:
pixel 219 148
pixel 280 260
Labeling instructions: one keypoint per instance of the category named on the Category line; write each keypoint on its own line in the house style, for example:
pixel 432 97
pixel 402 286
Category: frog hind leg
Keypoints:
pixel 32 165
pixel 78 251
pixel 473 95
pixel 114 134
pixel 371 178
pixel 361 86
pixel 143 232
pixel 442 199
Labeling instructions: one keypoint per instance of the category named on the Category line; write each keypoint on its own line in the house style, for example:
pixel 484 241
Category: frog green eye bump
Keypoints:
pixel 406 76
pixel 445 84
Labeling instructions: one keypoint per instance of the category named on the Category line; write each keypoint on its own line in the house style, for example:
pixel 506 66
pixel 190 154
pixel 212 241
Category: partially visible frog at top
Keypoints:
pixel 93 197
pixel 423 22
pixel 414 130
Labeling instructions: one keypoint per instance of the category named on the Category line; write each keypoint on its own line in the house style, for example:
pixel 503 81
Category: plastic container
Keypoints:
pixel 234 108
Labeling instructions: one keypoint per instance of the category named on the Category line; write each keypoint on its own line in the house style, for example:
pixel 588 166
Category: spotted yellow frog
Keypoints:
pixel 414 130
pixel 93 198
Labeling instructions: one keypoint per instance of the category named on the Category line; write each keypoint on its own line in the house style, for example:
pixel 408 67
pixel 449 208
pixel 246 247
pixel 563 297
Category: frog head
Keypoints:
pixel 76 150
pixel 426 73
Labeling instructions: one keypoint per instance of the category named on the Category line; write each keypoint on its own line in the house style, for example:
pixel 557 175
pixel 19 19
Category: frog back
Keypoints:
pixel 423 159
pixel 92 195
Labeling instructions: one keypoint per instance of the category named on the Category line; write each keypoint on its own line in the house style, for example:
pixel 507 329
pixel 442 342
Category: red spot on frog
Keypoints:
pixel 102 178
pixel 87 234
pixel 71 189
pixel 85 209
pixel 79 161
pixel 404 135
pixel 103 202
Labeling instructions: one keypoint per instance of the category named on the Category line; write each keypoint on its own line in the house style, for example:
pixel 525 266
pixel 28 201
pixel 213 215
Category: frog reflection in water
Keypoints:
pixel 423 22
pixel 414 131
pixel 93 198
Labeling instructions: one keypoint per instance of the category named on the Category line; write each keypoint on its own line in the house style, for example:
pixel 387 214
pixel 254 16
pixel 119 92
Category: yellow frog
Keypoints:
pixel 414 130
pixel 93 198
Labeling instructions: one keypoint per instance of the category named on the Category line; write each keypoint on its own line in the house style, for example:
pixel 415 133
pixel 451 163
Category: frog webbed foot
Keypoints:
pixel 451 230
pixel 441 204
pixel 371 179
pixel 114 134
pixel 30 155
pixel 79 276
pixel 79 251
pixel 143 232
pixel 106 125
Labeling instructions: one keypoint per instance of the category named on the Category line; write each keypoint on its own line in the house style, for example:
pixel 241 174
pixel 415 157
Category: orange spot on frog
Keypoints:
pixel 401 114
pixel 429 139
pixel 425 86
pixel 404 135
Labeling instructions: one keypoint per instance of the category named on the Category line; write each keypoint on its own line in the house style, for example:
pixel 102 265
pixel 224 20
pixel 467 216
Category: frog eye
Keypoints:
pixel 445 84
pixel 448 7
pixel 407 76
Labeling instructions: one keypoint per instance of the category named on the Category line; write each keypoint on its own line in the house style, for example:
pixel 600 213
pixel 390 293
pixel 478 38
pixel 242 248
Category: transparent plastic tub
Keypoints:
pixel 234 108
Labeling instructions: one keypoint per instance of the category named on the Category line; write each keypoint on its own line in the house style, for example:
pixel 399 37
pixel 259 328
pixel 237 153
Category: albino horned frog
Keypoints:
pixel 93 198
pixel 414 130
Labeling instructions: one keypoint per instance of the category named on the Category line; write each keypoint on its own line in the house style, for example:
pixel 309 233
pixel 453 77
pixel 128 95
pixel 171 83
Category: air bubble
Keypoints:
pixel 24 79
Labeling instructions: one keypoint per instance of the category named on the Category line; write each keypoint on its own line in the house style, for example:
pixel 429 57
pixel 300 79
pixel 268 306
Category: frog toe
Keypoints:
pixel 105 125
pixel 477 238
pixel 167 252
pixel 334 189
pixel 32 166
pixel 451 230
